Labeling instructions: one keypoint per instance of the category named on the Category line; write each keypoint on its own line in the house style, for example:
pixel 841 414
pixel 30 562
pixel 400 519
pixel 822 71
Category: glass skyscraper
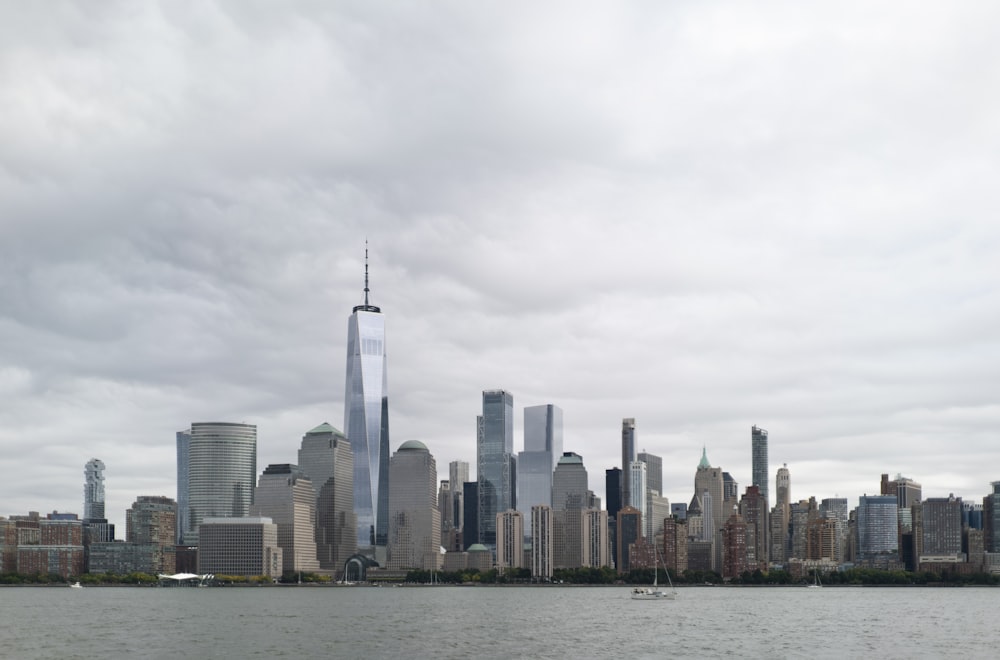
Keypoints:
pixel 877 525
pixel 93 490
pixel 366 421
pixel 543 442
pixel 222 468
pixel 628 455
pixel 183 472
pixel 495 462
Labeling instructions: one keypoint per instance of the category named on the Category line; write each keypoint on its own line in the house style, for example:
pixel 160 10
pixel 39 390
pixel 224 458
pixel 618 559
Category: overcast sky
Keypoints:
pixel 701 215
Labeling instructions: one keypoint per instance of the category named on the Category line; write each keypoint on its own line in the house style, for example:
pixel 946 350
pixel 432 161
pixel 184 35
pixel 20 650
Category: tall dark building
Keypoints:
pixel 628 455
pixel 470 515
pixel 629 532
pixel 991 518
pixel 758 450
pixel 613 493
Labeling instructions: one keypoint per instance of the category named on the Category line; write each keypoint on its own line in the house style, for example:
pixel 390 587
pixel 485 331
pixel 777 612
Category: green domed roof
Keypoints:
pixel 410 445
pixel 478 547
pixel 324 428
pixel 703 464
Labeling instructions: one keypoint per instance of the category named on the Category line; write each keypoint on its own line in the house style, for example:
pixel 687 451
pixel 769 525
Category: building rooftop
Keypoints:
pixel 413 445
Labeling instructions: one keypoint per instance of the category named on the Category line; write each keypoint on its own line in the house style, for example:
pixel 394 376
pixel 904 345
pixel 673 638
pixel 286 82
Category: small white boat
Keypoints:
pixel 75 585
pixel 654 592
pixel 816 583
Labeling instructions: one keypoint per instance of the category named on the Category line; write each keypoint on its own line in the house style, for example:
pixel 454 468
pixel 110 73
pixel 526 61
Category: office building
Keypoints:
pixel 569 499
pixel 991 519
pixel 907 491
pixel 245 546
pixel 325 456
pixel 541 542
pixel 414 520
pixel 734 546
pixel 877 526
pixel 366 423
pixel 783 492
pixel 758 454
pixel 543 442
pixel 708 485
pixel 628 455
pixel 754 512
pixel 458 475
pixel 495 462
pixel 470 519
pixel 836 509
pixel 657 510
pixel 93 490
pixel 596 545
pixel 285 494
pixel 152 519
pixel 654 471
pixel 941 519
pixel 637 486
pixel 510 540
pixel 222 468
pixel 629 533
pixel 675 545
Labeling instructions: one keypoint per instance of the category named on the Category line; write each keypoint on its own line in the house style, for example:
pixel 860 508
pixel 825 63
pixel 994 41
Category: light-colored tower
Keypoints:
pixel 654 471
pixel 222 465
pixel 495 462
pixel 541 546
pixel 779 527
pixel 414 520
pixel 285 494
pixel 510 540
pixel 93 490
pixel 458 476
pixel 758 455
pixel 543 442
pixel 596 547
pixel 326 457
pixel 152 519
pixel 366 422
pixel 569 498
pixel 708 479
pixel 637 484
pixel 628 455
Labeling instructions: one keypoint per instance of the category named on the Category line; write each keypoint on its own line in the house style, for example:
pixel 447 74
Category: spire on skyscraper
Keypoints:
pixel 366 307
pixel 703 463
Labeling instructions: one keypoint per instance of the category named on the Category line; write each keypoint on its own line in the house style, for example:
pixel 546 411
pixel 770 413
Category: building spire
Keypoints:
pixel 366 272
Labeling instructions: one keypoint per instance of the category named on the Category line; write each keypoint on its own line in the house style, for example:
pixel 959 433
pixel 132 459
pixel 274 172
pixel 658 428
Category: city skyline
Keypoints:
pixel 703 219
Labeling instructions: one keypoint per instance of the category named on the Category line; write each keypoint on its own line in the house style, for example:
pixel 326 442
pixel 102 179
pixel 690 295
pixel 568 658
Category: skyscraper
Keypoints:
pixel 708 484
pixel 991 518
pixel 183 483
pixel 222 466
pixel 758 450
pixel 414 519
pixel 569 499
pixel 93 490
pixel 458 475
pixel 325 455
pixel 877 525
pixel 495 462
pixel 510 540
pixel 628 455
pixel 541 546
pixel 637 487
pixel 366 421
pixel 543 442
pixel 654 471
pixel 907 491
pixel 285 494
pixel 941 519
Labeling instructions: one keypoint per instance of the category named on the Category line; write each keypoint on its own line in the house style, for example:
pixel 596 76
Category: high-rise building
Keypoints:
pixel 877 525
pixel 654 471
pixel 753 509
pixel 734 546
pixel 285 494
pixel 835 508
pixel 541 542
pixel 613 490
pixel 183 483
pixel 93 490
pixel 222 466
pixel 629 534
pixel 366 422
pixel 708 484
pixel 628 455
pixel 657 510
pixel 783 491
pixel 543 441
pixel 907 491
pixel 458 475
pixel 596 548
pixel 495 462
pixel 325 456
pixel 675 545
pixel 941 519
pixel 470 519
pixel 991 518
pixel 758 451
pixel 637 487
pixel 569 499
pixel 414 520
pixel 510 540
pixel 152 519
pixel 821 539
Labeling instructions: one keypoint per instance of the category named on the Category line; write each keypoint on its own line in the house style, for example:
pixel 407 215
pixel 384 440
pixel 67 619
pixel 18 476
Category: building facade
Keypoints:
pixel 877 525
pixel 93 490
pixel 246 547
pixel 628 455
pixel 541 542
pixel 758 455
pixel 183 484
pixel 543 443
pixel 285 494
pixel 654 471
pixel 414 519
pixel 326 457
pixel 222 468
pixel 569 499
pixel 495 462
pixel 510 540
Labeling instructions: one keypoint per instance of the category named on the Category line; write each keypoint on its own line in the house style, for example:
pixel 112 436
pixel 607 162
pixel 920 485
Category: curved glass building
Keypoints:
pixel 366 421
pixel 222 467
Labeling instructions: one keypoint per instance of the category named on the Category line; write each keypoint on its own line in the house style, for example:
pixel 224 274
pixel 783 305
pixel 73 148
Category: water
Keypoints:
pixel 484 622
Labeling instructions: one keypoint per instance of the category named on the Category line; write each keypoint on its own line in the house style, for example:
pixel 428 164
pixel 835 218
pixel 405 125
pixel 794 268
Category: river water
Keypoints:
pixel 497 622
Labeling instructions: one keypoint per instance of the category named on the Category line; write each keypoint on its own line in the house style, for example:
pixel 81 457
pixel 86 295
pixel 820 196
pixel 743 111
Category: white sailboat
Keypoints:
pixel 816 583
pixel 654 592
